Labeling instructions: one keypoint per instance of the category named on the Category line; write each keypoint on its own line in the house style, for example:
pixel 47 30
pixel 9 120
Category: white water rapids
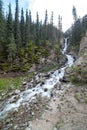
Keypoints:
pixel 27 95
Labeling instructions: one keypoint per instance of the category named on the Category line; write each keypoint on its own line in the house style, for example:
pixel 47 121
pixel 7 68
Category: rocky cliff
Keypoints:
pixel 78 72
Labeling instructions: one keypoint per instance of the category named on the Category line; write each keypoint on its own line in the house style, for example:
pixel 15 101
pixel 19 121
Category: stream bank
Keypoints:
pixel 22 107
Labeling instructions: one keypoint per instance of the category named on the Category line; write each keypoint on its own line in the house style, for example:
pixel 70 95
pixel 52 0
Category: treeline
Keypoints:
pixel 22 40
pixel 77 30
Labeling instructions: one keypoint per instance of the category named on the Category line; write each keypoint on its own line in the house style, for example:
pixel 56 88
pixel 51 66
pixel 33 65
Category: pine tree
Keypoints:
pixel 45 36
pixel 84 25
pixel 12 50
pixel 37 30
pixel 22 28
pixel 74 12
pixel 2 33
pixel 17 28
pixel 59 28
pixel 27 30
pixel 9 24
pixel 51 24
pixel 10 37
pixel 30 26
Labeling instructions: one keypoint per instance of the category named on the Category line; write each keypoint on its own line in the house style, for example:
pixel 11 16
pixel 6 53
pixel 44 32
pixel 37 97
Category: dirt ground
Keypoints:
pixel 65 112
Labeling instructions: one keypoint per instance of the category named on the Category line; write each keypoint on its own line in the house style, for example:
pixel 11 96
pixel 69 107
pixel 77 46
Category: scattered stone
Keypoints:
pixel 51 94
pixel 42 83
pixel 32 113
pixel 24 83
pixel 54 128
pixel 45 89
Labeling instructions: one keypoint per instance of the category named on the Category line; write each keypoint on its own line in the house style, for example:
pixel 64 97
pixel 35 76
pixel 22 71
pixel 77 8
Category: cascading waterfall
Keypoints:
pixel 65 45
pixel 29 94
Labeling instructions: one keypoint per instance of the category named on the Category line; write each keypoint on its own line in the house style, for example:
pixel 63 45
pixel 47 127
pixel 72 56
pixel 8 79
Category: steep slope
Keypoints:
pixel 78 72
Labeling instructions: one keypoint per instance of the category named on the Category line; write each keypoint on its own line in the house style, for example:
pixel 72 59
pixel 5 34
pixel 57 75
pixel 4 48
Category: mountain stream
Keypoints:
pixel 29 94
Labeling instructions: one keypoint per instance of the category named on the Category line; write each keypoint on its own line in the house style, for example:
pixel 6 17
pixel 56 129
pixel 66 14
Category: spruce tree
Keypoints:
pixel 17 28
pixel 22 29
pixel 37 30
pixel 84 25
pixel 51 24
pixel 11 46
pixel 45 36
pixel 74 12
pixel 27 30
pixel 2 33
pixel 30 26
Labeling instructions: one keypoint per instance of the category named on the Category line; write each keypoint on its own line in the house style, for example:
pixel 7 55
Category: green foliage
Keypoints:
pixel 57 51
pixel 14 68
pixel 49 68
pixel 25 68
pixel 77 31
pixel 12 50
pixel 4 83
pixel 4 66
pixel 17 28
pixel 79 75
pixel 27 30
pixel 23 41
pixel 59 124
pixel 14 83
pixel 22 28
pixel 74 12
pixel 74 79
pixel 2 32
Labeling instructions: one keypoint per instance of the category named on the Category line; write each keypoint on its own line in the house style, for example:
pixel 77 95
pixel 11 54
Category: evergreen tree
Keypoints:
pixel 59 28
pixel 41 31
pixel 22 28
pixel 9 24
pixel 12 50
pixel 45 36
pixel 30 26
pixel 84 25
pixel 2 32
pixel 27 30
pixel 74 12
pixel 10 37
pixel 17 28
pixel 51 23
pixel 37 30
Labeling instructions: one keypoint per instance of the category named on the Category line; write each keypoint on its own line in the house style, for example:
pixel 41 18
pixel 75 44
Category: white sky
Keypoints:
pixel 59 7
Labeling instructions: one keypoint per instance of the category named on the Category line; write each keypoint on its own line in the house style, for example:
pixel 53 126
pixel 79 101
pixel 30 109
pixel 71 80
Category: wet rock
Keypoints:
pixel 42 83
pixel 51 94
pixel 65 80
pixel 47 75
pixel 15 98
pixel 16 92
pixel 59 86
pixel 45 89
pixel 59 71
pixel 24 83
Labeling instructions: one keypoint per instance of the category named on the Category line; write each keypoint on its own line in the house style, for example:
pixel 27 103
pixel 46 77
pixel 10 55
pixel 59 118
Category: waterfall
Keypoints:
pixel 65 45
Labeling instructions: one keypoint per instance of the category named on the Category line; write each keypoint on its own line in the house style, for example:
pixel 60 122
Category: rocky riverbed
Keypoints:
pixel 19 108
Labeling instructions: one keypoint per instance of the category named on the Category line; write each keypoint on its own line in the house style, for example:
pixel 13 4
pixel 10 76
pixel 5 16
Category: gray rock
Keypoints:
pixel 24 83
pixel 45 89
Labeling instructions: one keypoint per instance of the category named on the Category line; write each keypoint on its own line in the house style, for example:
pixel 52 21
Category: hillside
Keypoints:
pixel 68 111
